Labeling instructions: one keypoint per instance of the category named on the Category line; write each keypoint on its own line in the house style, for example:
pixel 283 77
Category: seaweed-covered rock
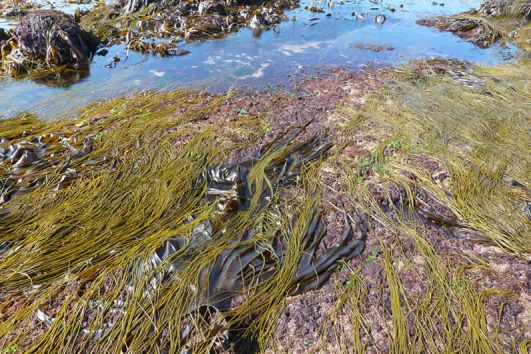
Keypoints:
pixel 49 38
pixel 475 26
pixel 135 22
pixel 131 6
pixel 54 37
pixel 471 30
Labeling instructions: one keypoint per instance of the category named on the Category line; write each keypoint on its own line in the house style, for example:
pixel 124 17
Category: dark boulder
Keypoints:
pixel 53 38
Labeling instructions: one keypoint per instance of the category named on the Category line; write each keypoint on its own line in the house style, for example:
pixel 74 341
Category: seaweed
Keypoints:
pixel 447 178
pixel 176 234
pixel 46 39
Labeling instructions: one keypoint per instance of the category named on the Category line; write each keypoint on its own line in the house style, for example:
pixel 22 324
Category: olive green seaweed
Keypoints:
pixel 480 136
pixel 159 246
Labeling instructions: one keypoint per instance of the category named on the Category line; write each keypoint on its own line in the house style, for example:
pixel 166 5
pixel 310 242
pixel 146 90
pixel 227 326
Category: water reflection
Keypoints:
pixel 63 78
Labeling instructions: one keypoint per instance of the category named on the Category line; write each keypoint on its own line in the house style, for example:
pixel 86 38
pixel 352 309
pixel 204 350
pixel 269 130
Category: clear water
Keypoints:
pixel 306 43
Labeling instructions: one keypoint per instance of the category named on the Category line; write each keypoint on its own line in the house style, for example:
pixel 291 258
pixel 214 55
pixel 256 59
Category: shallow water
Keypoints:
pixel 306 43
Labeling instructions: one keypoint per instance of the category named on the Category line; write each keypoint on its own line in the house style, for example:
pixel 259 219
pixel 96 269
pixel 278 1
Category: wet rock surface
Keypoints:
pixel 47 38
pixel 475 31
pixel 474 26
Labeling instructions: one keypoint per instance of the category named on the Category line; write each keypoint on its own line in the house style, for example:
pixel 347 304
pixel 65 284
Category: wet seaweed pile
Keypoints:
pixel 27 159
pixel 155 246
pixel 435 160
pixel 168 238
pixel 158 26
pixel 46 39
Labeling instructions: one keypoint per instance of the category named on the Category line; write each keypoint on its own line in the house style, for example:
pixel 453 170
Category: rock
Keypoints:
pixel 471 26
pixel 52 38
pixel 316 9
pixel 211 7
pixel 380 19
pixel 258 22
pixel 475 31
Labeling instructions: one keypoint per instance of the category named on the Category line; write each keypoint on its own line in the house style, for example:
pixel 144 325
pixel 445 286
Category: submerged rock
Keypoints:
pixel 48 38
pixel 380 19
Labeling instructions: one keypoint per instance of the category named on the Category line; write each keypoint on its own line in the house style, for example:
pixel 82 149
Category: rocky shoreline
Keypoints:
pixel 39 156
pixel 372 211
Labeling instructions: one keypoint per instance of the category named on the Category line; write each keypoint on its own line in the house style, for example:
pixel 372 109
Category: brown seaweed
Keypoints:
pixel 46 39
pixel 254 261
